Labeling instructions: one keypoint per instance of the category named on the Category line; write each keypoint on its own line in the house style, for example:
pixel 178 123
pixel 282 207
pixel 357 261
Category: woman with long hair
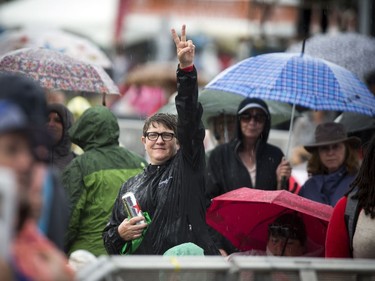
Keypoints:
pixel 357 239
pixel 333 164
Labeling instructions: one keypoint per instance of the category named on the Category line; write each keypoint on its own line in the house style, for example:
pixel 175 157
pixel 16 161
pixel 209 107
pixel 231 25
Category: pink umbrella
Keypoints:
pixel 243 216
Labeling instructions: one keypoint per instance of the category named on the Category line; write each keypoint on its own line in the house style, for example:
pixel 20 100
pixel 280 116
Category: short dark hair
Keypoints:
pixel 166 119
pixel 293 225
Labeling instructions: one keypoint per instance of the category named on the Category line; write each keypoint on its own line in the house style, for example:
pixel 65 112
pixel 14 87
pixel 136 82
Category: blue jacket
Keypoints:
pixel 327 189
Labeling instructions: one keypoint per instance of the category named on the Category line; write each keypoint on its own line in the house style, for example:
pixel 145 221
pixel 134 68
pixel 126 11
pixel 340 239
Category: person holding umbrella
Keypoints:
pixel 286 237
pixel 333 164
pixel 248 160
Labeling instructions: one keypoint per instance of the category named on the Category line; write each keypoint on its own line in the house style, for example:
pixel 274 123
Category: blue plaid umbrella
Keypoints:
pixel 297 79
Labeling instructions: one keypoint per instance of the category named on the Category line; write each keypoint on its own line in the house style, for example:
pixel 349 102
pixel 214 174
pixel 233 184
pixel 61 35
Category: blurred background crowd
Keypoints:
pixel 130 40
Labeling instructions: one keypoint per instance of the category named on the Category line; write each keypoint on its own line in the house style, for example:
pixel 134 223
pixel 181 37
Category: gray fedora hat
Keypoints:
pixel 331 133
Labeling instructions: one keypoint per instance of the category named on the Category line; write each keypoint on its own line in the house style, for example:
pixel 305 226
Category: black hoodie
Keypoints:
pixel 225 170
pixel 61 153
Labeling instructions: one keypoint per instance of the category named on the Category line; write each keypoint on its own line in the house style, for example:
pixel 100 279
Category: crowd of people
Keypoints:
pixel 67 203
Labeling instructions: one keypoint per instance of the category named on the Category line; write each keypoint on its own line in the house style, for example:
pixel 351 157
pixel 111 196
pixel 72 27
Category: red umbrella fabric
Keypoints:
pixel 243 216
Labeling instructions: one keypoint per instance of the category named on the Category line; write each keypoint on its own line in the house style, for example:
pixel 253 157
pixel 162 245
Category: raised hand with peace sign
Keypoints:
pixel 185 48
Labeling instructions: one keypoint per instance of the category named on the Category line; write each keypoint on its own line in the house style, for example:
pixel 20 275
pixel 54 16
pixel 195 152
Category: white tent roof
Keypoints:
pixel 95 19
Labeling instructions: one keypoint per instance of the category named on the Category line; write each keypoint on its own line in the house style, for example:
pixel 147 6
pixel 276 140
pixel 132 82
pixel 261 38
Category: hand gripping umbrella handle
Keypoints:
pixel 284 183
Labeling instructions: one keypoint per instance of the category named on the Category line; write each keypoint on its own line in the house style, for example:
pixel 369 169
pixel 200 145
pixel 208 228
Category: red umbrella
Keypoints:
pixel 243 216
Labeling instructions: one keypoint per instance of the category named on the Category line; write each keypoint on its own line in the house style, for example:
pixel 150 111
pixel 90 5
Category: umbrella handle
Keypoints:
pixel 284 183
pixel 290 130
pixel 103 100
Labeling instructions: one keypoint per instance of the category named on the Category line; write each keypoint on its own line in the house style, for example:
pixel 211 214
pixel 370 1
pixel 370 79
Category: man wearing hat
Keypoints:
pixel 333 164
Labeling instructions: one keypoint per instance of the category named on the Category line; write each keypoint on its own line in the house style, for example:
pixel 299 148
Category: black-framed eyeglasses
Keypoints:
pixel 258 118
pixel 153 136
pixel 286 231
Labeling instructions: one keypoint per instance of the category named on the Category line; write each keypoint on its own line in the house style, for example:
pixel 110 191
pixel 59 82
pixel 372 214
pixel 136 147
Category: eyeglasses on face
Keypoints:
pixel 286 231
pixel 258 118
pixel 165 136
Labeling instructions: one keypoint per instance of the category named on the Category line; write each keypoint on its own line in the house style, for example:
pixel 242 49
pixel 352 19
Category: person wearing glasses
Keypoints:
pixel 171 189
pixel 333 164
pixel 286 237
pixel 246 161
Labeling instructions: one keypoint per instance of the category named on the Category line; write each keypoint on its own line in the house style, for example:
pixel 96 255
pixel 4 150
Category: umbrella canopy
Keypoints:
pixel 354 122
pixel 358 125
pixel 156 74
pixel 350 50
pixel 54 39
pixel 217 103
pixel 243 216
pixel 297 79
pixel 56 71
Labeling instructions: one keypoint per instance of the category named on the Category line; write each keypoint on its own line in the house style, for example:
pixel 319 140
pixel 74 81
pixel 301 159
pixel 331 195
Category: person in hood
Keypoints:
pixel 171 188
pixel 60 119
pixel 93 179
pixel 248 160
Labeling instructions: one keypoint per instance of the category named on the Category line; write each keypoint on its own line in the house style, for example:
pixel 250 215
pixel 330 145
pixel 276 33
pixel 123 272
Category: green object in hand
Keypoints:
pixel 131 246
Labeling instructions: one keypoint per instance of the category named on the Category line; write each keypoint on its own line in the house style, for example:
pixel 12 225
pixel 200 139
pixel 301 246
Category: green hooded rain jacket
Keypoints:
pixel 93 179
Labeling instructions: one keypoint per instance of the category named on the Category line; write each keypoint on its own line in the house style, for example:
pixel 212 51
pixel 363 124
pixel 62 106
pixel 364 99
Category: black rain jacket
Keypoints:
pixel 173 194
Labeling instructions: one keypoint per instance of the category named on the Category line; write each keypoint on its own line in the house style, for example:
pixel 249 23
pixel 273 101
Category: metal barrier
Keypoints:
pixel 303 269
pixel 216 268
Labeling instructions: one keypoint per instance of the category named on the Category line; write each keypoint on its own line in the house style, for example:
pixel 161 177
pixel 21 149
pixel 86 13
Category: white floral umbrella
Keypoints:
pixel 67 43
pixel 56 71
